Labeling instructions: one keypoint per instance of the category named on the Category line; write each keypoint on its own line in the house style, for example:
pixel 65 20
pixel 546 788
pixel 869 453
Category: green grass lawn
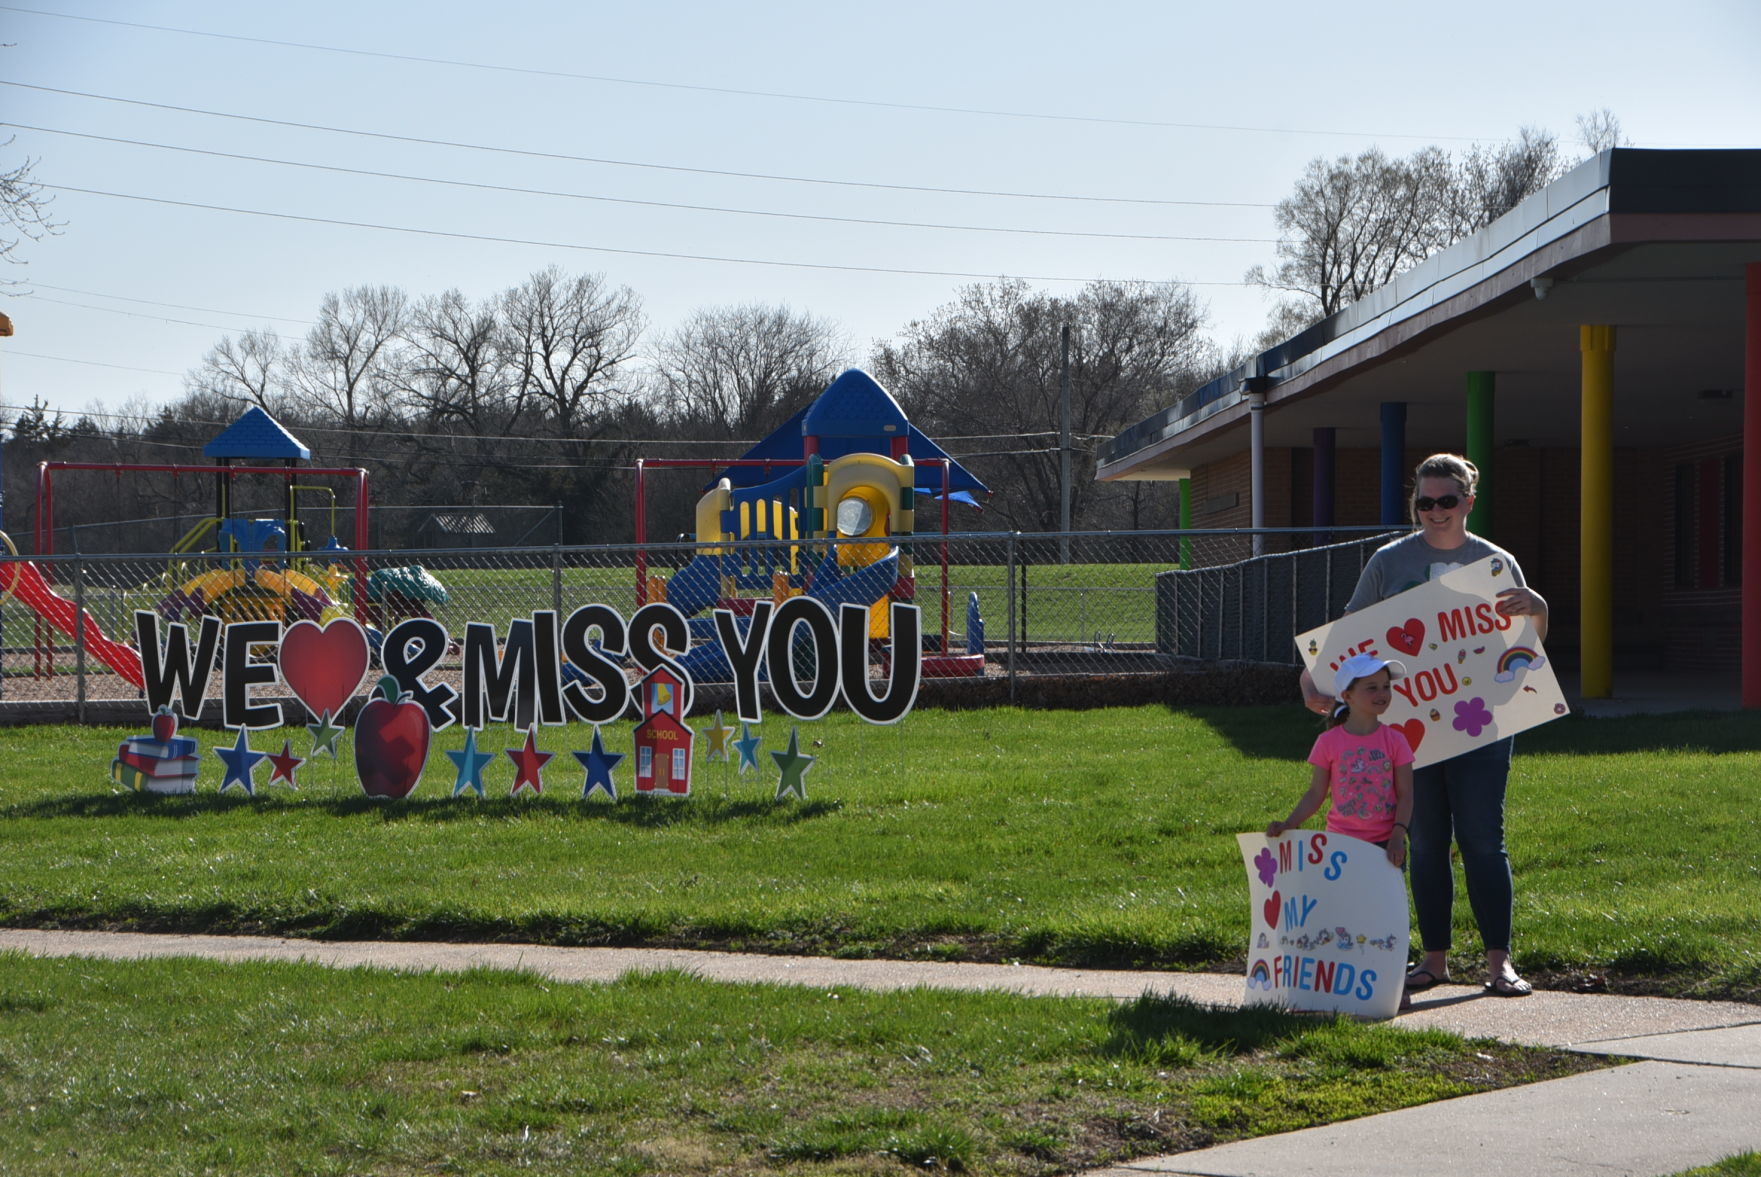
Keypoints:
pixel 186 1066
pixel 1100 838
pixel 1097 838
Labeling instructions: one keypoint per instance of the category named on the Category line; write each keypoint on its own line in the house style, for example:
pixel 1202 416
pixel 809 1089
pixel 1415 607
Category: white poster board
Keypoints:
pixel 1329 924
pixel 1472 675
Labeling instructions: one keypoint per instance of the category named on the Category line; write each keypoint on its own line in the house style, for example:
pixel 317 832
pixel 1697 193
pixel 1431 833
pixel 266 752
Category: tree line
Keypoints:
pixel 547 392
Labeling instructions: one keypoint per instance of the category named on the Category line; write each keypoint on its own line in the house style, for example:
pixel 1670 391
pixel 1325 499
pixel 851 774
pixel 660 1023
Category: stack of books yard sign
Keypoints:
pixel 163 762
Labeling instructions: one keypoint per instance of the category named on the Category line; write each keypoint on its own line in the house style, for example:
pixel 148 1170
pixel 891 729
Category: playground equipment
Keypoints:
pixel 273 572
pixel 23 581
pixel 839 523
pixel 270 579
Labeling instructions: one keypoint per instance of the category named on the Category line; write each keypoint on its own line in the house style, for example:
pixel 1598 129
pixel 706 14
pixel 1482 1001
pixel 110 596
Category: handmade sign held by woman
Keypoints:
pixel 1472 675
pixel 1329 924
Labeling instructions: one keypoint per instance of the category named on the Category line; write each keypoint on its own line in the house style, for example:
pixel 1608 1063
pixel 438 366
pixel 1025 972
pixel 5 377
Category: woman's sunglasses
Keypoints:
pixel 1447 502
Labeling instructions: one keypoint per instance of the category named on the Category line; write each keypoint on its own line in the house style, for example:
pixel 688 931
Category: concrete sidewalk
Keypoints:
pixel 1697 1099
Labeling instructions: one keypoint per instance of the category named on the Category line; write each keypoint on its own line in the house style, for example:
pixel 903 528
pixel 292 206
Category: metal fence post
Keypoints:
pixel 1013 536
pixel 79 639
pixel 556 578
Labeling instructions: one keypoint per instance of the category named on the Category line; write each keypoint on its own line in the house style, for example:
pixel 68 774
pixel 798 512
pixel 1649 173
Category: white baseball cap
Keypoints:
pixel 1362 666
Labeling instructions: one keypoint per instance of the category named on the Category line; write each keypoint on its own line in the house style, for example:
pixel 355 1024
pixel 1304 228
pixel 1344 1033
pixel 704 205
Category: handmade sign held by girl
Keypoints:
pixel 1322 942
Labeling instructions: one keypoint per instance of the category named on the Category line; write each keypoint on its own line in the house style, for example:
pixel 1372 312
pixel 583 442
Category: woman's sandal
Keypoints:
pixel 1421 979
pixel 1509 987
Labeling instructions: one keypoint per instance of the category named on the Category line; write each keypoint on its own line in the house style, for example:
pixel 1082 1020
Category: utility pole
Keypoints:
pixel 1064 443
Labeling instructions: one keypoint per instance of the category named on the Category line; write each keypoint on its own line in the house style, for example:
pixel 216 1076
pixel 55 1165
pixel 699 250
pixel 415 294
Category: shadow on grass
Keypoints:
pixel 641 811
pixel 1288 732
pixel 1145 1027
pixel 1269 733
pixel 1683 731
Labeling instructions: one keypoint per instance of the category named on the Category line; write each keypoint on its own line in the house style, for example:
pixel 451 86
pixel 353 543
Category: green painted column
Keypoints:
pixel 1596 513
pixel 1185 522
pixel 1480 389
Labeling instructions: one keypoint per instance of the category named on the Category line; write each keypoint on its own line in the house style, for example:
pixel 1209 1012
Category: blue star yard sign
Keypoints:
pixel 598 763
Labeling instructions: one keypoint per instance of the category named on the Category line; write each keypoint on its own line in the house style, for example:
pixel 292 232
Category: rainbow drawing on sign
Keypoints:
pixel 1260 977
pixel 1516 660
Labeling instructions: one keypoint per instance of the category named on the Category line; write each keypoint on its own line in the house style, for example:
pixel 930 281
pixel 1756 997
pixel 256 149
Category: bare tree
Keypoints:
pixel 1599 130
pixel 739 372
pixel 1490 181
pixel 24 210
pixel 345 374
pixel 248 369
pixel 456 375
pixel 565 340
pixel 987 368
pixel 1355 222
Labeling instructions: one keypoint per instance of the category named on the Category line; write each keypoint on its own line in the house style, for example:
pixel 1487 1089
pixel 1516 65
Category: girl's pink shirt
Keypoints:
pixel 1360 772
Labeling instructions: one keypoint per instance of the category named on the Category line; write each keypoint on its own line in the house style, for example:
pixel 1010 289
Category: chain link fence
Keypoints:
pixel 1000 607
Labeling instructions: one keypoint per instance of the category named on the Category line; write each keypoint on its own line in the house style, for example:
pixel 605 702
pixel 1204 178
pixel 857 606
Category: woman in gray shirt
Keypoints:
pixel 1460 799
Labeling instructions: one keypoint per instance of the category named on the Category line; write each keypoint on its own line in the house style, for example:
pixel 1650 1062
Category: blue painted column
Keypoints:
pixel 1325 473
pixel 1394 462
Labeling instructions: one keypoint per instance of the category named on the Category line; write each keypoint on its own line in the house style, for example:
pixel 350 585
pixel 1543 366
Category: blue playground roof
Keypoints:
pixel 256 435
pixel 855 415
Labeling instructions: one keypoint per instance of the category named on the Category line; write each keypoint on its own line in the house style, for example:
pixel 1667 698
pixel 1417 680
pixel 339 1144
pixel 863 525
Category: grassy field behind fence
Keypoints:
pixel 1094 838
pixel 1063 602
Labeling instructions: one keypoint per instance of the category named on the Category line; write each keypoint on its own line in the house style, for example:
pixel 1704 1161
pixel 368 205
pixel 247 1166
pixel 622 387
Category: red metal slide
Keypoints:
pixel 33 591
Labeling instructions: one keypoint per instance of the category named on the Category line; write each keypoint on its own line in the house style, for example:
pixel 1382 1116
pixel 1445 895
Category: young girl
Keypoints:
pixel 1364 763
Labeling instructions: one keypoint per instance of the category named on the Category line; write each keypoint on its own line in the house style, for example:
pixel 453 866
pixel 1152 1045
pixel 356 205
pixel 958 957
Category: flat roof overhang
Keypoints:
pixel 1653 242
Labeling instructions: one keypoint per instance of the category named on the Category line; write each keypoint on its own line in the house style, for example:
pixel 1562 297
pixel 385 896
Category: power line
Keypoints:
pixel 173 305
pixel 12 351
pixel 748 212
pixel 728 90
pixel 622 163
pixel 695 257
pixel 143 315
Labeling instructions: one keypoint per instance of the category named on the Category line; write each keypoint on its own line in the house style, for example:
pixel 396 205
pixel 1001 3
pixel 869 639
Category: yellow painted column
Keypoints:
pixel 1596 513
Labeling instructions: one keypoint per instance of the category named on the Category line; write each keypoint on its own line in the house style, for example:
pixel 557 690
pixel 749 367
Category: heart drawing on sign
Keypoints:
pixel 1407 638
pixel 1271 909
pixel 324 666
pixel 1414 730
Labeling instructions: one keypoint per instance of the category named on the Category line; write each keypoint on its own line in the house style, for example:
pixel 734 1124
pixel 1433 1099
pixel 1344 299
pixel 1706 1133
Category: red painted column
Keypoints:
pixel 1751 612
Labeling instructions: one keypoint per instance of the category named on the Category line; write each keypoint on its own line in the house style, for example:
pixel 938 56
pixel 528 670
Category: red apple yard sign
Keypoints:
pixel 546 670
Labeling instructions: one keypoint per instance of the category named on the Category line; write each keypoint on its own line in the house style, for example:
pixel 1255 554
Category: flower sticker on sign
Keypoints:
pixel 1473 675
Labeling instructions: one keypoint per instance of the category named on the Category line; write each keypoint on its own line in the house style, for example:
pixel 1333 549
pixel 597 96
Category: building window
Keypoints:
pixel 1733 519
pixel 678 764
pixel 1708 523
pixel 645 761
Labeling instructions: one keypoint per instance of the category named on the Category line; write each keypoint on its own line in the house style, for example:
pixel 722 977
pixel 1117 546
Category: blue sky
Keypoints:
pixel 1127 105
